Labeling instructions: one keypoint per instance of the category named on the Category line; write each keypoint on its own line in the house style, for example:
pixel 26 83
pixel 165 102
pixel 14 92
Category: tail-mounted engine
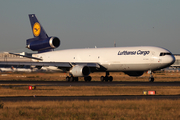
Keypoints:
pixel 42 45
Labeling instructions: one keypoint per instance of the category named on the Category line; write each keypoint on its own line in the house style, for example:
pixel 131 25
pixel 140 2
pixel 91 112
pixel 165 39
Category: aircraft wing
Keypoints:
pixel 56 64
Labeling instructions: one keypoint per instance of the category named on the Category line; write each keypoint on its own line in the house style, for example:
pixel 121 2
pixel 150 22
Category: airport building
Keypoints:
pixel 9 57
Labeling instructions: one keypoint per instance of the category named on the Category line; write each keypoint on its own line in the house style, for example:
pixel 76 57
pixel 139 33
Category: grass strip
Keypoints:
pixel 93 109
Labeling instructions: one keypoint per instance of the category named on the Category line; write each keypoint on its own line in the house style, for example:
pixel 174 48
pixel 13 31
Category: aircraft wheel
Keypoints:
pixel 67 78
pixel 85 79
pixel 89 78
pixel 151 79
pixel 106 78
pixel 76 79
pixel 110 78
pixel 102 78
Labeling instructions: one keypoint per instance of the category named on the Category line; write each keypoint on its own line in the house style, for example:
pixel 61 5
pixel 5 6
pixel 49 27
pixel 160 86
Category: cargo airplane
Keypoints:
pixel 133 61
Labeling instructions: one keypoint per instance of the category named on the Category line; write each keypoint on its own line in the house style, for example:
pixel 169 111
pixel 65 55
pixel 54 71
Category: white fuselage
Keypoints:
pixel 140 58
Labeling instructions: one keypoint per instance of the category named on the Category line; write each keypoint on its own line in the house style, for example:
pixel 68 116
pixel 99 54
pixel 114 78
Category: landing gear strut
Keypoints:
pixel 151 78
pixel 106 78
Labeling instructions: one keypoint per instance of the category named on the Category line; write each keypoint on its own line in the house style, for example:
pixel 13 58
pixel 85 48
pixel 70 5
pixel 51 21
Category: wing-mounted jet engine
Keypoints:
pixel 80 70
pixel 41 42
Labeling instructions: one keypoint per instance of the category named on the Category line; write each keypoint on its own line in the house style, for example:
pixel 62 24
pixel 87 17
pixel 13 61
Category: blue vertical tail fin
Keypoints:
pixel 37 29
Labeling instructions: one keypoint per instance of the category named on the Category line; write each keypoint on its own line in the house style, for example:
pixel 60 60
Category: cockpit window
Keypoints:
pixel 163 54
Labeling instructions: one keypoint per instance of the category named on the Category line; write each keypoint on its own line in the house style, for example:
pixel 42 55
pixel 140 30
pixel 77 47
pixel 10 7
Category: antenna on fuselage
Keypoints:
pixel 114 43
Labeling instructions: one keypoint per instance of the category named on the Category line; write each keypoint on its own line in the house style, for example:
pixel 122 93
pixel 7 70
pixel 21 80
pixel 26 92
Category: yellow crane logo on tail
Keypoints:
pixel 36 29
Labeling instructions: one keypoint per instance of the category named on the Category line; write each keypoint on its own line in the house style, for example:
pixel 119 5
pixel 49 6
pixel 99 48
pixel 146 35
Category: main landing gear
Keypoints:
pixel 151 78
pixel 88 78
pixel 75 79
pixel 72 79
pixel 106 78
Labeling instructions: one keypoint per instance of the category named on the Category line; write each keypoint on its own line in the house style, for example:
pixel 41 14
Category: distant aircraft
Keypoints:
pixel 133 61
pixel 15 68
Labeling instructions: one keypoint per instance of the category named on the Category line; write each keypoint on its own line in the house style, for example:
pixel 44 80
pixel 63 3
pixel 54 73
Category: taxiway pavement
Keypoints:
pixel 92 83
pixel 87 98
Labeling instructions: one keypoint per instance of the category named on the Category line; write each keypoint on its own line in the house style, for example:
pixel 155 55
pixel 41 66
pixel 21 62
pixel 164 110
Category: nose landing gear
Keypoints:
pixel 151 78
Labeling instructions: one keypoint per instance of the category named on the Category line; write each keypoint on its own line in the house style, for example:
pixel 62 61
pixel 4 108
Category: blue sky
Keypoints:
pixel 85 24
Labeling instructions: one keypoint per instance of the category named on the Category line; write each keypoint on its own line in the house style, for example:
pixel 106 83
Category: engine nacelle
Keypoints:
pixel 39 45
pixel 80 70
pixel 134 73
